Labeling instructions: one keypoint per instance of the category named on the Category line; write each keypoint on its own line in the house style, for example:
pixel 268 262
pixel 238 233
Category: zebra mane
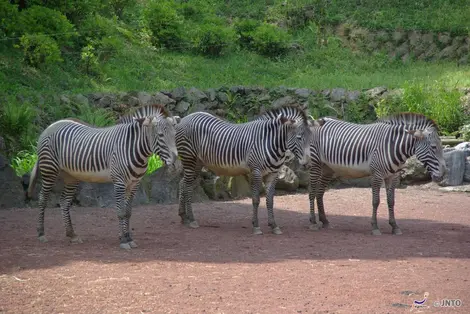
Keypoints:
pixel 291 111
pixel 409 119
pixel 148 110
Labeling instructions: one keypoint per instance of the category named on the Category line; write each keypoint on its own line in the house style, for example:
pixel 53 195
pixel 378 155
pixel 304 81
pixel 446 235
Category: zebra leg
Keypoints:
pixel 390 185
pixel 48 181
pixel 270 191
pixel 256 181
pixel 322 185
pixel 120 191
pixel 376 182
pixel 66 198
pixel 186 194
pixel 314 176
pixel 130 197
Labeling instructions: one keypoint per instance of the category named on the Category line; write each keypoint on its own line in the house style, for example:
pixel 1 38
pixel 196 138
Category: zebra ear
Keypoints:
pixel 146 121
pixel 284 120
pixel 154 120
pixel 140 121
pixel 416 133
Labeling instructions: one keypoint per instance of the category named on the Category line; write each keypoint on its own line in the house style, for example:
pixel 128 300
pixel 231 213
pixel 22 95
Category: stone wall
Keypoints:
pixel 404 45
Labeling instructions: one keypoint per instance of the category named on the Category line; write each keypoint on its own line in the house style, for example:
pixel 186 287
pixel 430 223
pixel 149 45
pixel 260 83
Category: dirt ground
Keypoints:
pixel 222 268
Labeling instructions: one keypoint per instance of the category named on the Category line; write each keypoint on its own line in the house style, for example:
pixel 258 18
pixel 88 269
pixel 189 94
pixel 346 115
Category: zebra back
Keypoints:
pixel 410 120
pixel 155 110
pixel 294 112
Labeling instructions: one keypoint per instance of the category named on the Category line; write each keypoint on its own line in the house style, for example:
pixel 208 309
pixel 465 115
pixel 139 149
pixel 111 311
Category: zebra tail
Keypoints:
pixel 32 182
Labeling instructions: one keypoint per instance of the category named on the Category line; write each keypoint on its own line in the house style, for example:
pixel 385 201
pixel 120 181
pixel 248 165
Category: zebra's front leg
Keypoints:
pixel 376 182
pixel 322 185
pixel 130 193
pixel 186 193
pixel 66 198
pixel 120 194
pixel 314 176
pixel 390 185
pixel 271 180
pixel 256 181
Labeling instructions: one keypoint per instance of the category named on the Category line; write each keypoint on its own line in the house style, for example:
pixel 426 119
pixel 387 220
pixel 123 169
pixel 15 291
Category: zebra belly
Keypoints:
pixel 229 171
pixel 103 176
pixel 353 171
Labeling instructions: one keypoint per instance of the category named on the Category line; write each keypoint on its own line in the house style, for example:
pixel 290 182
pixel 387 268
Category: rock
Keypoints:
pixel 217 188
pixel 288 180
pixel 164 187
pixel 239 187
pixel 463 146
pixel 222 97
pixel 353 182
pixel 376 91
pixel 302 92
pixel 414 172
pixel 182 107
pixel 352 96
pixel 448 52
pixel 64 100
pixel 194 96
pixel 304 178
pixel 11 192
pixel 283 101
pixel 131 101
pixel 398 37
pixel 461 188
pixel 178 93
pixel 402 50
pixel 466 175
pixel 145 98
pixel 455 162
pixel 106 102
pixel 444 38
pixel 414 38
pixel 79 99
pixel 102 195
pixel 163 99
pixel 2 147
pixel 212 94
pixel 337 94
pixel 427 39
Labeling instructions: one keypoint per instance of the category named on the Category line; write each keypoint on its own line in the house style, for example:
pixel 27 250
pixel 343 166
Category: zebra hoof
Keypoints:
pixel 194 224
pixel 42 239
pixel 125 246
pixel 325 225
pixel 76 239
pixel 277 230
pixel 257 231
pixel 314 227
pixel 397 231
pixel 132 244
pixel 376 232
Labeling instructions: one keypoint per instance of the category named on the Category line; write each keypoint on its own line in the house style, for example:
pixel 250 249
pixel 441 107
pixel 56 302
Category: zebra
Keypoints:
pixel 378 150
pixel 154 110
pixel 257 147
pixel 77 152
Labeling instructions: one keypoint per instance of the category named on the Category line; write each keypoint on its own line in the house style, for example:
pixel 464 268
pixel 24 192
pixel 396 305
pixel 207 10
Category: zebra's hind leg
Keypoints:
pixel 322 185
pixel 130 197
pixel 66 198
pixel 314 176
pixel 256 181
pixel 120 191
pixel 390 185
pixel 376 182
pixel 271 180
pixel 48 181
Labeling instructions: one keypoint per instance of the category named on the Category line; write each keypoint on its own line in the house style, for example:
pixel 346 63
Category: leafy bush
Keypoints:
pixel 8 17
pixel 436 102
pixel 75 10
pixel 42 20
pixel 244 30
pixel 165 24
pixel 17 125
pixel 24 161
pixel 40 50
pixel 154 163
pixel 270 40
pixel 99 117
pixel 212 38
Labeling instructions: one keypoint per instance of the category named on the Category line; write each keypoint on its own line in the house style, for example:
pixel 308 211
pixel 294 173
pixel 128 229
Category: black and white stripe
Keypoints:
pixel 255 148
pixel 379 150
pixel 80 152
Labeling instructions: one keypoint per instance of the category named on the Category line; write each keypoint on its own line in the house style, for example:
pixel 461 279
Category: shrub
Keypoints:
pixel 74 10
pixel 17 125
pixel 465 131
pixel 42 20
pixel 99 117
pixel 40 50
pixel 212 38
pixel 24 161
pixel 8 17
pixel 244 30
pixel 165 24
pixel 269 40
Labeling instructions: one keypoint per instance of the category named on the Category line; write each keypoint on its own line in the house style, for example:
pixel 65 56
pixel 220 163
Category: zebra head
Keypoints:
pixel 162 137
pixel 299 132
pixel 428 150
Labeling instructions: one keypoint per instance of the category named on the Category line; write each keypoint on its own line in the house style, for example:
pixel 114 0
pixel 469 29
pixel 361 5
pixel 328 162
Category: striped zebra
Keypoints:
pixel 378 150
pixel 257 148
pixel 155 110
pixel 77 152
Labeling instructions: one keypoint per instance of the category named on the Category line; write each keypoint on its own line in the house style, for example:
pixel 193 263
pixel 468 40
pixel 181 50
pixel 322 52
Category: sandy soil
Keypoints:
pixel 222 268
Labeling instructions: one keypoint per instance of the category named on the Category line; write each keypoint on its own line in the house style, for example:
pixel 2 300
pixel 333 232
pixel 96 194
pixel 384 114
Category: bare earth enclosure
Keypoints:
pixel 222 268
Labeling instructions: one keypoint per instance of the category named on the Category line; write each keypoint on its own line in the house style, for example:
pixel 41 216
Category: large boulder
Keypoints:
pixel 455 162
pixel 287 180
pixel 414 172
pixel 11 192
pixel 466 175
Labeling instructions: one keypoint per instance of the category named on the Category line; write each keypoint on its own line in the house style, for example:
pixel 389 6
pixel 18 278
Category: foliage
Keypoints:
pixel 270 40
pixel 465 131
pixel 8 17
pixel 359 111
pixel 24 161
pixel 244 29
pixel 17 125
pixel 212 38
pixel 154 163
pixel 435 101
pixel 165 24
pixel 39 50
pixel 100 117
pixel 75 10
